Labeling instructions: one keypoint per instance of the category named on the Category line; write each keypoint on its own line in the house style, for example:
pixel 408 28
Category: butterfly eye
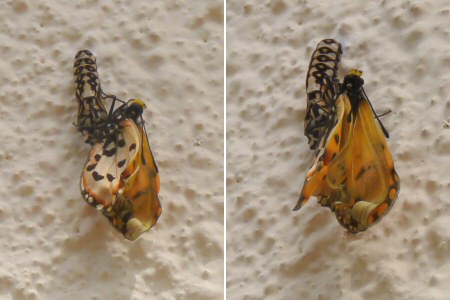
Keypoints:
pixel 136 110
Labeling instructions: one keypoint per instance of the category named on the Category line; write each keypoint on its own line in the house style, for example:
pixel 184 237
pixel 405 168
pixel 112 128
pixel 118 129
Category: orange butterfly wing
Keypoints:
pixel 363 173
pixel 315 183
pixel 140 191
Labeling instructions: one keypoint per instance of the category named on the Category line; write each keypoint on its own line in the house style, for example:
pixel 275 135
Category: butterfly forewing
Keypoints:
pixel 374 181
pixel 137 205
pixel 143 193
pixel 370 172
pixel 371 184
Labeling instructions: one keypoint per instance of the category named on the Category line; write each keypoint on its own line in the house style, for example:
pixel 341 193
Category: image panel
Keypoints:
pixel 112 122
pixel 298 108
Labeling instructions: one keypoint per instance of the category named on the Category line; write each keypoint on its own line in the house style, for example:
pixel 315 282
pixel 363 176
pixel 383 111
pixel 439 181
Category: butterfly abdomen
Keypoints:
pixel 91 110
pixel 321 91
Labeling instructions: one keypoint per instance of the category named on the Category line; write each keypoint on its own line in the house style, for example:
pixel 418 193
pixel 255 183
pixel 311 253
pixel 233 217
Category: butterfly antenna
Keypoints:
pixel 383 114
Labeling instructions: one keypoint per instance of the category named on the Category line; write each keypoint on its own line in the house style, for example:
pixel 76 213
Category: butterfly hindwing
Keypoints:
pixel 103 174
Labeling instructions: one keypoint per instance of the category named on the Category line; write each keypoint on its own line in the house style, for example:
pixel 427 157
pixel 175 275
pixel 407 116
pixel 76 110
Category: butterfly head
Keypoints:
pixel 353 81
pixel 132 109
pixel 137 102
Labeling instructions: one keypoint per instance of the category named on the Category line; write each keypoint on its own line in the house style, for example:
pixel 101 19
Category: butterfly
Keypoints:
pixel 120 177
pixel 353 171
pixel 321 86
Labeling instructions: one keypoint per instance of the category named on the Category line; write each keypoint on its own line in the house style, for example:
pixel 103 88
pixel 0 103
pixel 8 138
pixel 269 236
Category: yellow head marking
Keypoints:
pixel 355 72
pixel 138 102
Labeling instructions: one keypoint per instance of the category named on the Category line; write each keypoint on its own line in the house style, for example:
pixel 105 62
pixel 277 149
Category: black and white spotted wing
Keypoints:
pixel 103 174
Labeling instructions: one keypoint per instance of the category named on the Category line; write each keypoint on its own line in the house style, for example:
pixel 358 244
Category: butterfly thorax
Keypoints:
pixel 353 87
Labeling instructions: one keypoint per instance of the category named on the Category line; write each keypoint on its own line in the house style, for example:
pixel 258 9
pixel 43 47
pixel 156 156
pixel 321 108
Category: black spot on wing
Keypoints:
pixel 91 167
pixel 121 143
pixel 121 163
pixel 96 176
pixel 360 173
pixel 110 177
pixel 336 138
pixel 97 157
pixel 110 153
pixel 132 147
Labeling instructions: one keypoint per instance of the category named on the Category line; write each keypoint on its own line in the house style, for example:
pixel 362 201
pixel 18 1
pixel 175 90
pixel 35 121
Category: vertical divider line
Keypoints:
pixel 224 149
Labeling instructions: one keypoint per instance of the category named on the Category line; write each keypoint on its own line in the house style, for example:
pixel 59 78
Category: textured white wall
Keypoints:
pixel 168 53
